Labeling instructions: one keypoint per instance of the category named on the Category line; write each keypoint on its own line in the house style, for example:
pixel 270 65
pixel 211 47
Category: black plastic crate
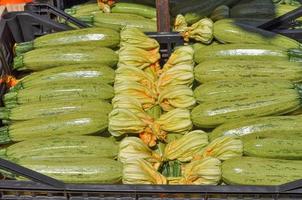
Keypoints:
pixel 24 26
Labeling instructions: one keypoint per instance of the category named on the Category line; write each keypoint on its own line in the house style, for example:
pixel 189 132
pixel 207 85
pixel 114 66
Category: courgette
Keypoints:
pixel 138 9
pixel 282 127
pixel 229 69
pixel 259 10
pixel 98 37
pixel 229 31
pixel 212 114
pixel 274 148
pixel 80 123
pixel 221 12
pixel 260 171
pixel 255 22
pixel 244 52
pixel 42 109
pixel 57 148
pixel 83 9
pixel 94 74
pixel 117 21
pixel 220 91
pixel 67 92
pixel 45 58
pixel 70 170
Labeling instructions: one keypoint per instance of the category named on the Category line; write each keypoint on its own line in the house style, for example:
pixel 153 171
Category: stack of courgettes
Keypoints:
pixel 116 16
pixel 66 96
pixel 249 86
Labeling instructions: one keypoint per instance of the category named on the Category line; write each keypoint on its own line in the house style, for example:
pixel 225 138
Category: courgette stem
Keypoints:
pixel 17 87
pixel 3 153
pixel 18 62
pixel 24 47
pixel 11 98
pixel 4 135
pixel 295 55
pixel 4 113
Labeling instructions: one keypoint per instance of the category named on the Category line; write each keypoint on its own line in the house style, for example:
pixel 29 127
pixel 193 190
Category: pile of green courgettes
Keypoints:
pixel 58 110
pixel 95 106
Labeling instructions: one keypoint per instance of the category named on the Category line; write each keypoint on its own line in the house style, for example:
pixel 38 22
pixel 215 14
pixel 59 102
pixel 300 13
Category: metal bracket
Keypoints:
pixel 289 187
pixel 46 9
pixel 284 21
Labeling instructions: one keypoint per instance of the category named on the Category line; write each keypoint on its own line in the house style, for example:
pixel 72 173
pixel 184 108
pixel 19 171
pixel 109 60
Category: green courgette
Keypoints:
pixel 274 148
pixel 214 113
pixel 43 109
pixel 84 170
pixel 98 37
pixel 57 148
pixel 282 127
pixel 230 69
pixel 94 74
pixel 229 31
pixel 260 171
pixel 65 92
pixel 80 123
pixel 45 58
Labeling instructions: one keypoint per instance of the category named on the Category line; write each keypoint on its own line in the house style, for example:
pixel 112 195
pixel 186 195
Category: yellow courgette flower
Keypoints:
pixel 139 171
pixel 181 56
pixel 201 31
pixel 134 148
pixel 136 38
pixel 202 172
pixel 224 148
pixel 176 96
pixel 175 121
pixel 125 74
pixel 185 148
pixel 136 57
pixel 178 75
pixel 127 116
pixel 180 23
pixel 146 96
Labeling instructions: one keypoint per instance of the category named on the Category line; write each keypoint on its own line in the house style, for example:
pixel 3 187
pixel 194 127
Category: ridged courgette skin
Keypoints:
pixel 214 70
pixel 221 91
pixel 43 109
pixel 73 123
pixel 83 9
pixel 211 114
pixel 94 74
pixel 253 10
pixel 241 52
pixel 282 127
pixel 221 12
pixel 260 171
pixel 98 37
pixel 229 31
pixel 45 58
pixel 274 148
pixel 117 21
pixel 255 22
pixel 87 170
pixel 63 92
pixel 138 9
pixel 57 148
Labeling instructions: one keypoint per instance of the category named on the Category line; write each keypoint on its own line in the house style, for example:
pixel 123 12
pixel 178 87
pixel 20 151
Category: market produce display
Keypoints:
pixel 98 106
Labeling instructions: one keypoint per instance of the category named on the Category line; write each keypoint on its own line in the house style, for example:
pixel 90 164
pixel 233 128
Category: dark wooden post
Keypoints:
pixel 163 16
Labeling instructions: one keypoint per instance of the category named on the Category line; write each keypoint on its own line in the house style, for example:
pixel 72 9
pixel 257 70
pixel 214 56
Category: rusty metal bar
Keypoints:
pixel 163 16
